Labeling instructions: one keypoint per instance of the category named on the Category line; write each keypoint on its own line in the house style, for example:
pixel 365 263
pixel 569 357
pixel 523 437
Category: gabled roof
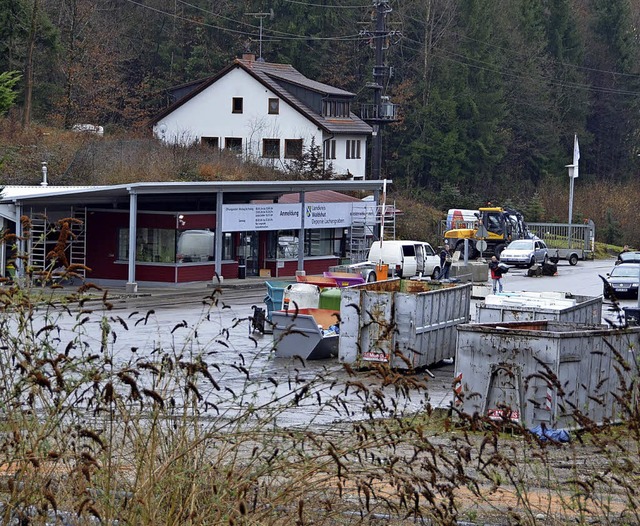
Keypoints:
pixel 269 74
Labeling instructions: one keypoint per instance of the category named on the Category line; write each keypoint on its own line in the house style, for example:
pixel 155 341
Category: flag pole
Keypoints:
pixel 573 174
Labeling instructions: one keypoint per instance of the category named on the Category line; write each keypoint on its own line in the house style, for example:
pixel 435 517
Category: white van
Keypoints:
pixel 195 245
pixel 406 258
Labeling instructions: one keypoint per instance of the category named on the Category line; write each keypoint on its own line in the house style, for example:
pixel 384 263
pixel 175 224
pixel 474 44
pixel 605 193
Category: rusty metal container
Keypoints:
pixel 525 306
pixel 404 323
pixel 539 372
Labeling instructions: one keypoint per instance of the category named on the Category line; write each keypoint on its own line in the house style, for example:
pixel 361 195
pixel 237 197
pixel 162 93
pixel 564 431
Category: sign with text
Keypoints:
pixel 337 215
pixel 245 218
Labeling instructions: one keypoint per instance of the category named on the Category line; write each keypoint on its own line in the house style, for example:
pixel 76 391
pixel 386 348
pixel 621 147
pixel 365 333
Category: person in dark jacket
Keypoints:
pixel 446 258
pixel 496 274
pixel 624 249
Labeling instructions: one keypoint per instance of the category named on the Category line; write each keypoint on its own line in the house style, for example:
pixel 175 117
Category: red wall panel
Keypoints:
pixel 311 266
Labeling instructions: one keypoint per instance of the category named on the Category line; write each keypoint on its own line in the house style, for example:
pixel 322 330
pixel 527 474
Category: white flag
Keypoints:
pixel 576 156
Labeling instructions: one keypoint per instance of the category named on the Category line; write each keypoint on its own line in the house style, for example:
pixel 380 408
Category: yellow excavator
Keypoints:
pixel 493 230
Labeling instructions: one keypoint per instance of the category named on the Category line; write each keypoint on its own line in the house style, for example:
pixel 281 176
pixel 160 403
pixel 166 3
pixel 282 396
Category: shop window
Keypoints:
pixel 318 242
pixel 153 245
pixel 284 244
pixel 195 246
pixel 160 246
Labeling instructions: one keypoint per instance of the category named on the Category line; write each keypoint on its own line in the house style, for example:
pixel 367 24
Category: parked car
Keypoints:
pixel 525 253
pixel 622 281
pixel 628 257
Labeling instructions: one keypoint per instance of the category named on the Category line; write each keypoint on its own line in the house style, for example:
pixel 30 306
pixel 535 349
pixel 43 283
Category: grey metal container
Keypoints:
pixel 587 310
pixel 305 333
pixel 405 323
pixel 540 372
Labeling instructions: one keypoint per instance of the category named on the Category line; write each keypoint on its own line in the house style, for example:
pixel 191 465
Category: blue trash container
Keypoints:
pixel 275 295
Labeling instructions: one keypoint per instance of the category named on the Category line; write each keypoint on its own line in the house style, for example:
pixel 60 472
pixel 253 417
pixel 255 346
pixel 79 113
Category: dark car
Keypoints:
pixel 628 257
pixel 622 281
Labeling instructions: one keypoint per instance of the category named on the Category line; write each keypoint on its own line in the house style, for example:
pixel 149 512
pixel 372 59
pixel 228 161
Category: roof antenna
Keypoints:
pixel 262 16
pixel 44 174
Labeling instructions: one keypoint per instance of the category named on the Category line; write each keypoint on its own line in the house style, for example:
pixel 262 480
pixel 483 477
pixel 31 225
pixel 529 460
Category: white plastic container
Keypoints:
pixel 304 295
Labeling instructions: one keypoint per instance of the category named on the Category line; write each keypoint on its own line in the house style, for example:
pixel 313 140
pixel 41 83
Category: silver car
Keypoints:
pixel 525 253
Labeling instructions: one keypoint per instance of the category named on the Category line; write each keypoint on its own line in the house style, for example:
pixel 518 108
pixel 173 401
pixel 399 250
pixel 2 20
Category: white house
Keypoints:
pixel 268 112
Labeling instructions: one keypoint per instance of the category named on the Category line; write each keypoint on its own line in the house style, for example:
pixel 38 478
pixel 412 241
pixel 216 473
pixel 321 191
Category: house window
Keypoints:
pixel 353 149
pixel 236 105
pixel 210 142
pixel 233 143
pixel 293 148
pixel 330 149
pixel 335 108
pixel 274 106
pixel 271 148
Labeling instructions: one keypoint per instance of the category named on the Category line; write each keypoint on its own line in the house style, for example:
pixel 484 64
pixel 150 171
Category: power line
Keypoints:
pixel 485 66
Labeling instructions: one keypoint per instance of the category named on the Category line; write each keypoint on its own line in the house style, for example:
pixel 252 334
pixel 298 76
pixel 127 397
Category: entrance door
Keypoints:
pixel 251 251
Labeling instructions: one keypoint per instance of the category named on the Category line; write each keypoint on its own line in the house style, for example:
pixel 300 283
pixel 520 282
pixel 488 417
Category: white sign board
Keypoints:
pixel 249 217
pixel 364 213
pixel 246 218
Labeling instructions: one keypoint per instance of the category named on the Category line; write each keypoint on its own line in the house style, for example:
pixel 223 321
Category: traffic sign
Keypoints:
pixel 481 245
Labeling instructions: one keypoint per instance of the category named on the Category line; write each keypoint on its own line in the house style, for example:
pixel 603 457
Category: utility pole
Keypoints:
pixel 261 16
pixel 382 111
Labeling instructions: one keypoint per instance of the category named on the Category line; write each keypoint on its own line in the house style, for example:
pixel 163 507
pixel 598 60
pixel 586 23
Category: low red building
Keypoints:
pixel 169 233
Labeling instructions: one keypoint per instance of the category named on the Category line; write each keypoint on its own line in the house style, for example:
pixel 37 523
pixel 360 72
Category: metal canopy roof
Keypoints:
pixel 99 194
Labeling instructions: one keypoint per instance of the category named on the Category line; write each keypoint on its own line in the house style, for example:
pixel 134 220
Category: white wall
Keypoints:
pixel 209 114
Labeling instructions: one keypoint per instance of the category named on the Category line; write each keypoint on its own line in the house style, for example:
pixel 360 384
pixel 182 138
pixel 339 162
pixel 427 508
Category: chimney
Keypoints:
pixel 44 174
pixel 250 57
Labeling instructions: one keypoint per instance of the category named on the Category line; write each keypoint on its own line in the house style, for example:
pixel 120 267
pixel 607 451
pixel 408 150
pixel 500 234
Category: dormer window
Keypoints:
pixel 336 108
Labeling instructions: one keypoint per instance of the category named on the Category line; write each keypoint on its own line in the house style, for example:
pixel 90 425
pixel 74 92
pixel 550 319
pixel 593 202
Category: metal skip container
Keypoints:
pixel 543 372
pixel 525 306
pixel 404 323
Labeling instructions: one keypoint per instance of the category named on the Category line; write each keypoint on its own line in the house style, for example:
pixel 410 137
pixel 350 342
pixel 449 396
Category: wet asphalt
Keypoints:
pixel 213 320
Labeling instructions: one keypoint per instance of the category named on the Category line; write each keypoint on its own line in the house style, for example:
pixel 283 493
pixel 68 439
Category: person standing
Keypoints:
pixel 624 249
pixel 496 274
pixel 446 258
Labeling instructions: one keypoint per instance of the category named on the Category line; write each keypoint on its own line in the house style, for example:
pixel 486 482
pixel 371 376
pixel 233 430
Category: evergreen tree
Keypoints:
pixel 8 80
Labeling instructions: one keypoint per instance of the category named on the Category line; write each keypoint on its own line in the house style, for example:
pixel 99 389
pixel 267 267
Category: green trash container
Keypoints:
pixel 330 298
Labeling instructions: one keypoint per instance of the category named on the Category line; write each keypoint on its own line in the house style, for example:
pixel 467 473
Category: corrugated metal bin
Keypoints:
pixel 539 372
pixel 405 323
pixel 525 306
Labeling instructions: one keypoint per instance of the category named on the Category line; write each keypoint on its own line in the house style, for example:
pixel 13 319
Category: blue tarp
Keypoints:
pixel 555 435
